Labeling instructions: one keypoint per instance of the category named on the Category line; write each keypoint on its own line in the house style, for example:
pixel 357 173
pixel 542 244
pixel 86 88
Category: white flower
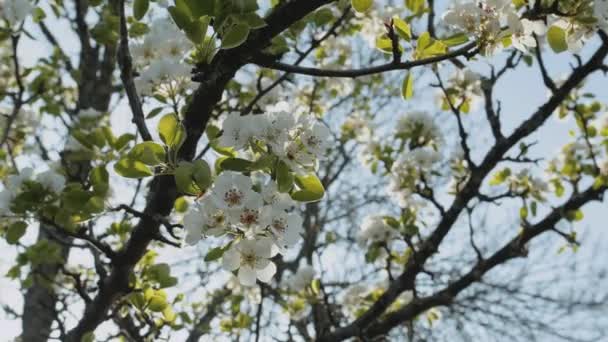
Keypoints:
pixel 407 172
pixel 600 12
pixel 302 278
pixel 316 138
pixel 358 127
pixel 252 259
pixel 604 168
pixel 6 197
pixel 286 228
pixel 466 16
pixel 14 183
pixel 252 293
pixel 204 219
pixel 51 180
pixel 232 190
pixel 419 128
pixel 238 130
pixel 374 229
pixel 274 198
pixel 522 32
pixel 273 127
pixel 15 11
pixel 248 217
pixel 168 75
pixel 296 157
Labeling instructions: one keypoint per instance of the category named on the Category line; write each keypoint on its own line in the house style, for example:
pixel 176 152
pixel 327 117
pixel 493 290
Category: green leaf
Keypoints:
pixel 148 152
pixel 311 189
pixel 323 16
pixel 99 179
pixel 201 8
pixel 15 231
pixel 197 29
pixel 38 15
pixel 253 20
pixel 523 212
pixel 384 44
pixel 403 29
pixel 179 16
pixel 154 112
pixel 216 253
pixel 391 221
pixel 157 302
pixel 315 286
pixel 171 131
pixel 130 168
pixel 457 39
pixel 362 5
pixel 500 176
pixel 284 177
pixel 423 41
pixel 181 205
pixel 184 178
pixel 122 141
pixel 140 7
pixel 201 173
pixel 407 89
pixel 416 6
pixel 235 35
pixel 556 37
pixel 236 164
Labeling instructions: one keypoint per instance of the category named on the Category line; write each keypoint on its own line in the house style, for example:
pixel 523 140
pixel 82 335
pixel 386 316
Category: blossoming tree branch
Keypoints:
pixel 299 169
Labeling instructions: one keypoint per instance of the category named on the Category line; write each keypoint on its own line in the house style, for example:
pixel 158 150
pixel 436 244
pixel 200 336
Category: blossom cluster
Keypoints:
pixel 51 182
pixel 259 222
pixel 357 298
pixel 485 20
pixel 15 11
pixel 298 140
pixel 248 208
pixel 374 229
pixel 415 166
pixel 160 56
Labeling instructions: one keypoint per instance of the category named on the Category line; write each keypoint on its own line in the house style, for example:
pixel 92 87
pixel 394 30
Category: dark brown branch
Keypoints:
pixel 126 75
pixel 466 50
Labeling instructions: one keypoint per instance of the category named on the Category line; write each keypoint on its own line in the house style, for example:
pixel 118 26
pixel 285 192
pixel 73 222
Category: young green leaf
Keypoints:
pixel 235 36
pixel 403 29
pixel 171 131
pixel 130 168
pixel 140 7
pixel 15 231
pixel 556 36
pixel 148 152
pixel 284 177
pixel 311 189
pixel 407 89
pixel 362 5
pixel 236 164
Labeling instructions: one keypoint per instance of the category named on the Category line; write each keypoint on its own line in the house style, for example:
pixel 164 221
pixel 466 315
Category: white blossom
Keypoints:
pixel 523 30
pixel 302 278
pixel 51 180
pixel 252 260
pixel 15 11
pixel 204 219
pixel 419 128
pixel 375 229
pixel 238 130
pixel 286 228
